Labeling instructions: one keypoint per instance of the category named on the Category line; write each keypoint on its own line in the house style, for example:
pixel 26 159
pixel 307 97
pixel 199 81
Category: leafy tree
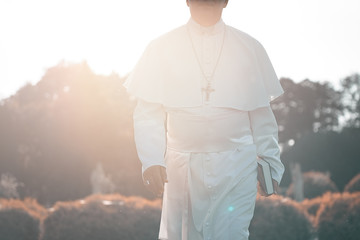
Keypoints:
pixel 306 107
pixel 335 152
pixel 56 132
pixel 351 99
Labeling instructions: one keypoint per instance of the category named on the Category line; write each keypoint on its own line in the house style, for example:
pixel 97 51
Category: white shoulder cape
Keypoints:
pixel 168 73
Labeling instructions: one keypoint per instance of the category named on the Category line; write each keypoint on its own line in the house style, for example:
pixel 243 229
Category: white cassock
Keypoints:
pixel 208 144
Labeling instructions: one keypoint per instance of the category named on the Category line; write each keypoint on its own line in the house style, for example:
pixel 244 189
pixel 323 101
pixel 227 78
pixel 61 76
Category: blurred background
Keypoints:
pixel 68 163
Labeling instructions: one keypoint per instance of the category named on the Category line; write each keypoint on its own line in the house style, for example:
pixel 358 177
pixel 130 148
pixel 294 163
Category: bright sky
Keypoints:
pixel 315 39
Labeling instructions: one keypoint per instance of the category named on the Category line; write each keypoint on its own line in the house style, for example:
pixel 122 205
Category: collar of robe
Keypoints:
pixel 168 72
pixel 210 30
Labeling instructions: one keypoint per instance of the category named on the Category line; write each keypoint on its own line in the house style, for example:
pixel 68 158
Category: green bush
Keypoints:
pixel 353 185
pixel 315 185
pixel 110 217
pixel 20 220
pixel 339 217
pixel 311 206
pixel 279 218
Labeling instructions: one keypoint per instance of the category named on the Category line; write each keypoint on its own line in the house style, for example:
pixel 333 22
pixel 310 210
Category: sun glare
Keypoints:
pixel 111 35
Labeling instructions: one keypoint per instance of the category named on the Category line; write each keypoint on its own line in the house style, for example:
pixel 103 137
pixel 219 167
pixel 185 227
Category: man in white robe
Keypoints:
pixel 203 117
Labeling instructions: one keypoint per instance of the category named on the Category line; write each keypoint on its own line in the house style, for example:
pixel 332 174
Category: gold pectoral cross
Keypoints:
pixel 208 90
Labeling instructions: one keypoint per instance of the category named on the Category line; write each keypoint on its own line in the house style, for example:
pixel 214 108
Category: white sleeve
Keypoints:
pixel 149 133
pixel 265 133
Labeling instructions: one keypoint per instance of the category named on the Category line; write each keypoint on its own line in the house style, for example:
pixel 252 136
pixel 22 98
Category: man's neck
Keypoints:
pixel 206 14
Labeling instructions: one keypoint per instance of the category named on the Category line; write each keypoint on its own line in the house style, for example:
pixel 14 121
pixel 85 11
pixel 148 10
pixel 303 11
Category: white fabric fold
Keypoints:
pixel 265 134
pixel 149 133
pixel 209 148
pixel 244 78
pixel 189 205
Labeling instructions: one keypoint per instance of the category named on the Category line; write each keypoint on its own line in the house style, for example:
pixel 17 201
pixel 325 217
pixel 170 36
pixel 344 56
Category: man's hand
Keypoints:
pixel 154 179
pixel 276 189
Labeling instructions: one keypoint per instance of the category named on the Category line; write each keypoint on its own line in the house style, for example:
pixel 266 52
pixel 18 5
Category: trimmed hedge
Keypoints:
pixel 353 185
pixel 311 206
pixel 110 217
pixel 20 220
pixel 315 185
pixel 334 216
pixel 339 217
pixel 279 218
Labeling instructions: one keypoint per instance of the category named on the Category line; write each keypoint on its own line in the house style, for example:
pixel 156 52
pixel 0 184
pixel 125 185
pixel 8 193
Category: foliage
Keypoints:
pixel 104 217
pixel 54 134
pixel 353 185
pixel 58 130
pixel 351 99
pixel 306 107
pixel 20 220
pixel 335 152
pixel 277 218
pixel 314 184
pixel 339 217
pixel 312 206
pixel 331 216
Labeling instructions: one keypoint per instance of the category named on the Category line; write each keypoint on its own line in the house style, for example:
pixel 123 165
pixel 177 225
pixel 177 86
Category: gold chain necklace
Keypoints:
pixel 208 88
